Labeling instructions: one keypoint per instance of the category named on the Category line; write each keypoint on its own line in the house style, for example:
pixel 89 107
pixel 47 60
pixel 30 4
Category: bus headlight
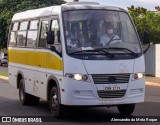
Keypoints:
pixel 78 77
pixel 137 76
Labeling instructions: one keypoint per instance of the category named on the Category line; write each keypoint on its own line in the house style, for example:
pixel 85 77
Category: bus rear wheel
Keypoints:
pixel 126 109
pixel 54 102
pixel 25 98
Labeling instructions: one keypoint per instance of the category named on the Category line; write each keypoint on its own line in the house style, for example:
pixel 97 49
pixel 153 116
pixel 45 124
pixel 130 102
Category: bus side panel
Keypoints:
pixel 40 74
pixel 54 68
pixel 28 73
pixel 49 64
pixel 23 62
pixel 36 67
pixel 12 70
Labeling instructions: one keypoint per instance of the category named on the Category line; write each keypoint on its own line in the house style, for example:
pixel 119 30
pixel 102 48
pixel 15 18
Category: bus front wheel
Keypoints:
pixel 126 109
pixel 55 106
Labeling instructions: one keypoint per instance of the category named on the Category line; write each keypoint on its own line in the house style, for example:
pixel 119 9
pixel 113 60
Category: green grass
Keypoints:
pixel 3 74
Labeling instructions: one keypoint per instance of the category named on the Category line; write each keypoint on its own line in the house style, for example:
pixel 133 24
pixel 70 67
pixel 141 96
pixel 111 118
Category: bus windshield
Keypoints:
pixel 91 31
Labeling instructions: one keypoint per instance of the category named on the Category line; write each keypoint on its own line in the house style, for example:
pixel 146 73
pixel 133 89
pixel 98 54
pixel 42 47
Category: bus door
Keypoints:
pixel 41 53
pixel 54 58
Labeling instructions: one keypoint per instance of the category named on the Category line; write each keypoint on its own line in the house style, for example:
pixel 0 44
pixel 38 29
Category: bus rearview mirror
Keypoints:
pixel 146 38
pixel 50 37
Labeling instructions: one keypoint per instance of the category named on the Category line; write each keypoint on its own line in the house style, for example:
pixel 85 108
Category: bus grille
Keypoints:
pixel 111 94
pixel 110 78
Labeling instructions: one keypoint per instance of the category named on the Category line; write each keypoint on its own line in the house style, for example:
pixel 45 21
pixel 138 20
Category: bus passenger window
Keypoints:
pixel 32 34
pixel 13 34
pixel 15 26
pixel 44 30
pixel 21 39
pixel 12 41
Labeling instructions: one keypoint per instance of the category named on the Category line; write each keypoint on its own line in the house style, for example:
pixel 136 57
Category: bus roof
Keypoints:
pixel 56 10
pixel 88 5
pixel 35 13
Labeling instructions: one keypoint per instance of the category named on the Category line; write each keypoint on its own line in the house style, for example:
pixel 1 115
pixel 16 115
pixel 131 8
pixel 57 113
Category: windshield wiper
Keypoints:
pixel 124 49
pixel 93 50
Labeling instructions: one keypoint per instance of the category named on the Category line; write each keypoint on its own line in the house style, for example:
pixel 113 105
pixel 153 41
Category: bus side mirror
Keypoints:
pixel 58 36
pixel 146 40
pixel 53 48
pixel 50 37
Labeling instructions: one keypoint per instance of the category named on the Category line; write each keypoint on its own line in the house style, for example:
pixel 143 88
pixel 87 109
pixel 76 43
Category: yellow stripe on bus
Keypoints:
pixel 35 58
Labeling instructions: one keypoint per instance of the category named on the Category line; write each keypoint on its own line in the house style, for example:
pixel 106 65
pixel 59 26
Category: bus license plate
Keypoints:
pixel 110 88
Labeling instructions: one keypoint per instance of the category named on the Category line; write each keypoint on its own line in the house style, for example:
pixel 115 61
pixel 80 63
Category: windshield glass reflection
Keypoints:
pixel 95 29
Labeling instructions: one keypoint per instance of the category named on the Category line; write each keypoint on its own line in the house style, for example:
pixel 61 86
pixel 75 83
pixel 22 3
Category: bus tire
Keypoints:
pixel 23 96
pixel 126 109
pixel 54 102
pixel 34 100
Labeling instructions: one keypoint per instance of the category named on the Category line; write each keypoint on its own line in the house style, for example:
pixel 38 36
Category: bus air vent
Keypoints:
pixel 110 78
pixel 111 93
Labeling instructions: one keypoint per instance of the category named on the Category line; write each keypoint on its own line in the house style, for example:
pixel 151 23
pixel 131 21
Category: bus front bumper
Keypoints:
pixel 77 93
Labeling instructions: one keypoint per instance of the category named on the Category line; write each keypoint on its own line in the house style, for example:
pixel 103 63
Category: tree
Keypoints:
pixel 3 31
pixel 9 7
pixel 136 13
pixel 146 21
pixel 157 8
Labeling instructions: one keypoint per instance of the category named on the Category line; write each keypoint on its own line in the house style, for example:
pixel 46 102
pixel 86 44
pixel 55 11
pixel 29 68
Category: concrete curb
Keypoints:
pixel 147 83
pixel 152 84
pixel 4 78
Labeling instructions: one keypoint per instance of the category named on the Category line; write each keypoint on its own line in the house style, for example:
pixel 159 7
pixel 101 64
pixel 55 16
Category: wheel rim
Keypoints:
pixel 54 103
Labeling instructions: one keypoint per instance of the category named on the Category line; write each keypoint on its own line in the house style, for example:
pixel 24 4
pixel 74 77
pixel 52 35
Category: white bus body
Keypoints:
pixel 94 76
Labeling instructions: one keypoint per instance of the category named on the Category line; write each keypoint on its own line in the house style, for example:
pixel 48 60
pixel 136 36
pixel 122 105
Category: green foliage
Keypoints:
pixel 3 74
pixel 146 21
pixel 9 7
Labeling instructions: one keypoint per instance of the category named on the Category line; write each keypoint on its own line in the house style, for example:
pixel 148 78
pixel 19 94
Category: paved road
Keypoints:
pixel 4 68
pixel 10 106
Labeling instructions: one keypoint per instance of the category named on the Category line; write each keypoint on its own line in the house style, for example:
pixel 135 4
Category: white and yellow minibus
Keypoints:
pixel 76 54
